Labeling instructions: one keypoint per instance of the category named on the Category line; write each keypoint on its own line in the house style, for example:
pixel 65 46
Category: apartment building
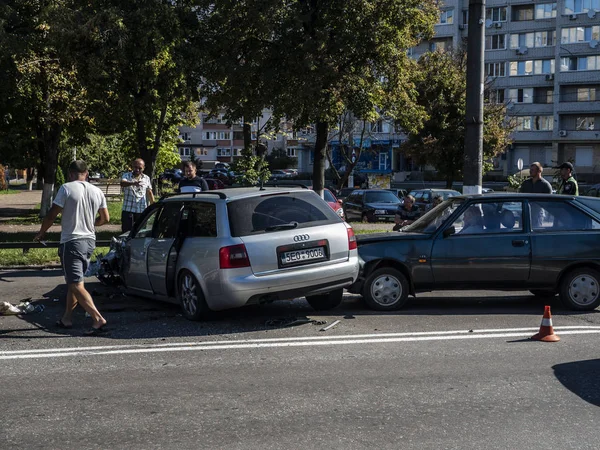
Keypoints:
pixel 213 140
pixel 543 59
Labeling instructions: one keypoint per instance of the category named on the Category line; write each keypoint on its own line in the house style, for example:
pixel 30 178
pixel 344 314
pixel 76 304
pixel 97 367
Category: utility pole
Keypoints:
pixel 473 165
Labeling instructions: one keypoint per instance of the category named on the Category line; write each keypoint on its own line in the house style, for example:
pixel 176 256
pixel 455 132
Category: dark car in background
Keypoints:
pixel 371 205
pixel 172 175
pixel 344 192
pixel 424 197
pixel 548 244
pixel 214 183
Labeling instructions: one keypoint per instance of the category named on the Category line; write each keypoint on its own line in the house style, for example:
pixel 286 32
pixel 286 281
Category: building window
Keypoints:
pixel 237 151
pixel 202 151
pixel 224 135
pixel 545 38
pixel 581 6
pixel 586 94
pixel 377 127
pixel 522 40
pixel 441 45
pixel 495 69
pixel 545 11
pixel 495 14
pixel 495 96
pixel 523 123
pixel 580 63
pixel 465 16
pixel 184 151
pixel 585 123
pixel 223 152
pixel 495 42
pixel 521 95
pixel 446 17
pixel 543 123
pixel 522 12
pixel 539 66
pixel 584 156
pixel 291 152
pixel 574 35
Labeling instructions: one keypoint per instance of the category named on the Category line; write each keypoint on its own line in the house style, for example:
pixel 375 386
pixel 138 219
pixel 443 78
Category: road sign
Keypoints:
pixel 520 164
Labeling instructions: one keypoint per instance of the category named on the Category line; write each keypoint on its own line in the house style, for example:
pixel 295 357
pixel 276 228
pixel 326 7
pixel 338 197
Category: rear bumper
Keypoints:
pixel 241 288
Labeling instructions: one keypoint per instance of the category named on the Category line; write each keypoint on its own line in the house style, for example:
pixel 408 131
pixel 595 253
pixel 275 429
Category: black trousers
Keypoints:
pixel 128 219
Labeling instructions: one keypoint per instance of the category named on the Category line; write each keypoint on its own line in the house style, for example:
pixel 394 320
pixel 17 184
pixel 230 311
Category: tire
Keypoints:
pixel 386 289
pixel 190 297
pixel 580 289
pixel 325 302
pixel 543 292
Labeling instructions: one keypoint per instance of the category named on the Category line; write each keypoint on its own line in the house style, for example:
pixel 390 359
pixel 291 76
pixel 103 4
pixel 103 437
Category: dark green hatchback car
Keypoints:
pixel 548 244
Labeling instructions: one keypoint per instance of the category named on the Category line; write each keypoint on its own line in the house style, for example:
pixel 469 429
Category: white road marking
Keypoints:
pixel 289 342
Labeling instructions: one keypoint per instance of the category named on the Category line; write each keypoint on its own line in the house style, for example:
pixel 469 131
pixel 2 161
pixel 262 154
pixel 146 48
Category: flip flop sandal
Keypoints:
pixel 60 324
pixel 96 331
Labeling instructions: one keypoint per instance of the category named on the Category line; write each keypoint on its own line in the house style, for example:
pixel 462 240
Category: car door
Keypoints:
pixel 487 245
pixel 162 252
pixel 352 205
pixel 135 271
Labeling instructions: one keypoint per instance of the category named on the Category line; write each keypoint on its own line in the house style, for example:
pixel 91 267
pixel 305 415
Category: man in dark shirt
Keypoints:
pixel 536 184
pixel 407 213
pixel 568 185
pixel 191 182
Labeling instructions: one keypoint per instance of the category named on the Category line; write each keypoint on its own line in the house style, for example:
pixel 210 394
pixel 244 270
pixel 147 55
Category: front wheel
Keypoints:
pixel 386 289
pixel 191 298
pixel 580 289
pixel 324 302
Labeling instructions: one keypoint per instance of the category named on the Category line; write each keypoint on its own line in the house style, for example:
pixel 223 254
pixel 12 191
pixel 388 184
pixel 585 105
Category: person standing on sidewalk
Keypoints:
pixel 536 184
pixel 137 194
pixel 568 185
pixel 79 202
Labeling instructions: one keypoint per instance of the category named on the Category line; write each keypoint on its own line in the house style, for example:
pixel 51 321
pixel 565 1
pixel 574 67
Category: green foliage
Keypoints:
pixel 441 87
pixel 110 154
pixel 252 169
pixel 166 159
pixel 515 182
pixel 60 178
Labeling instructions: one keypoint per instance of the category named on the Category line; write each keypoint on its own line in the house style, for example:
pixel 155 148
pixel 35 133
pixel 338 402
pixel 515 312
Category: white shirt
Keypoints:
pixel 80 202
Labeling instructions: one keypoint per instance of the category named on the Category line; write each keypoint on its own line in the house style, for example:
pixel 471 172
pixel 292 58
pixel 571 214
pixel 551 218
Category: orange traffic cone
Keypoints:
pixel 546 332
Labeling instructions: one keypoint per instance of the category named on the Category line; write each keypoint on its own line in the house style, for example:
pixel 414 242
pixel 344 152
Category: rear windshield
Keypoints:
pixel 380 197
pixel 257 214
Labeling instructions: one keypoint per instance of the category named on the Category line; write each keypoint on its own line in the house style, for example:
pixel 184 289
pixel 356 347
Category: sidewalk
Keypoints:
pixel 26 203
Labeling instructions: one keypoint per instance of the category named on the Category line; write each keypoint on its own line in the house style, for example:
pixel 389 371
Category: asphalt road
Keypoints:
pixel 454 370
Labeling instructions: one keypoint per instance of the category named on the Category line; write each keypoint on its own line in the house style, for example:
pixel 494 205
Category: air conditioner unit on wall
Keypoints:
pixel 562 133
pixel 550 77
pixel 572 16
pixel 498 24
pixel 522 51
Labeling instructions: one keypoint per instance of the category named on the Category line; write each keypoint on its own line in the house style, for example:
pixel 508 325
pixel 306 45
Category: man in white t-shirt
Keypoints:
pixel 79 202
pixel 137 194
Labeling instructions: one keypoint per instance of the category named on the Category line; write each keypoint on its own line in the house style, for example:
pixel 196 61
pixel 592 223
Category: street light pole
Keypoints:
pixel 472 169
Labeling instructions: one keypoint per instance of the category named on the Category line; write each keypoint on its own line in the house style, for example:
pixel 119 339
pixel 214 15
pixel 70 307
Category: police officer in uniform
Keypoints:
pixel 568 186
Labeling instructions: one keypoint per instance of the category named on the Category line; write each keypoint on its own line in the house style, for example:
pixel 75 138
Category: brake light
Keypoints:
pixel 233 257
pixel 351 239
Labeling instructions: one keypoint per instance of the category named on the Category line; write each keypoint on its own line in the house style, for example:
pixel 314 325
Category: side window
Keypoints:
pixel 145 229
pixel 499 217
pixel 166 228
pixel 203 220
pixel 559 216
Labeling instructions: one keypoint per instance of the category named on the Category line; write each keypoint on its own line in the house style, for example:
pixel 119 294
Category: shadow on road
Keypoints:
pixel 581 378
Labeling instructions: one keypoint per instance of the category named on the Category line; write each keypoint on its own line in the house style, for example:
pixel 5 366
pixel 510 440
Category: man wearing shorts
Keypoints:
pixel 79 202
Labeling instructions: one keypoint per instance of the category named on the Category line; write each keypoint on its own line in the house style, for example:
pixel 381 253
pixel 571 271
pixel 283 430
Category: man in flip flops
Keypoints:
pixel 79 202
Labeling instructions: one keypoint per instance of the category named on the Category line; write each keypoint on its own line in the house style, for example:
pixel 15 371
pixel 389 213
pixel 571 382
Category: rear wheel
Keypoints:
pixel 543 292
pixel 190 297
pixel 580 289
pixel 386 289
pixel 324 302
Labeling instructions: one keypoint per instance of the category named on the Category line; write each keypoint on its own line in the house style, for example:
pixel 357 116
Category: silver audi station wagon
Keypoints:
pixel 216 250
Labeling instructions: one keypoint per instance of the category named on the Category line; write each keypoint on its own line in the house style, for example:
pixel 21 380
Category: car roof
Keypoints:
pixel 233 193
pixel 513 196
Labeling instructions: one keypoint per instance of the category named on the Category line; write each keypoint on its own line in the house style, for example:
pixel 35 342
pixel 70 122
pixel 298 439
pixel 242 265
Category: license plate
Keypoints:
pixel 305 254
pixel 380 211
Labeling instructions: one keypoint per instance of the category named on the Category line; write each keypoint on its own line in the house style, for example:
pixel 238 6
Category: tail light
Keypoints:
pixel 233 257
pixel 351 239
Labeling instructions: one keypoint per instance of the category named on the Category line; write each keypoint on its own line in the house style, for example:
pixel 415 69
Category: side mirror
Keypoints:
pixel 449 231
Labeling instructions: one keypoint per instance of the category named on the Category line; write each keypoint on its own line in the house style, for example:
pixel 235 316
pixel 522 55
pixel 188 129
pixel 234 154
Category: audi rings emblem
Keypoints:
pixel 301 237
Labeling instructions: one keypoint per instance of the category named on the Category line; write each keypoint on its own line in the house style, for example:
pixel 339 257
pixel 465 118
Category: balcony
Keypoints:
pixel 592 136
pixel 532 136
pixel 592 108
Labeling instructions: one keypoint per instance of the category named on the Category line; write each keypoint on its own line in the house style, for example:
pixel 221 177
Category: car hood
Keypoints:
pixel 382 205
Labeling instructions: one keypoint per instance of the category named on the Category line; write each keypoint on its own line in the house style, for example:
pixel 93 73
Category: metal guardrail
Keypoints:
pixel 26 246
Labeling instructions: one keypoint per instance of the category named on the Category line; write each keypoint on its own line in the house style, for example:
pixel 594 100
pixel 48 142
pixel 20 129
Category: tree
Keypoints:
pixel 349 55
pixel 278 159
pixel 140 60
pixel 442 92
pixel 43 94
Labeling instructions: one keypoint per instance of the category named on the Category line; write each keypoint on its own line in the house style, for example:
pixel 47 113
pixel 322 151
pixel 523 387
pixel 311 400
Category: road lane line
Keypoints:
pixel 277 343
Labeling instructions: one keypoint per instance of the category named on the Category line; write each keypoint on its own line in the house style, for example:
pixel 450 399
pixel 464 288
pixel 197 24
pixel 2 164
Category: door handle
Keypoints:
pixel 520 243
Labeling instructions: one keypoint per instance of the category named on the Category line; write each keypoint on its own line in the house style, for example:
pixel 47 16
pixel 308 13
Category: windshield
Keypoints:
pixel 432 220
pixel 329 197
pixel 381 197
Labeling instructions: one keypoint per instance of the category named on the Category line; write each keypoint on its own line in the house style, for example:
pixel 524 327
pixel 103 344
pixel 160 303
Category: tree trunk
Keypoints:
pixel 51 142
pixel 142 144
pixel 319 158
pixel 247 130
